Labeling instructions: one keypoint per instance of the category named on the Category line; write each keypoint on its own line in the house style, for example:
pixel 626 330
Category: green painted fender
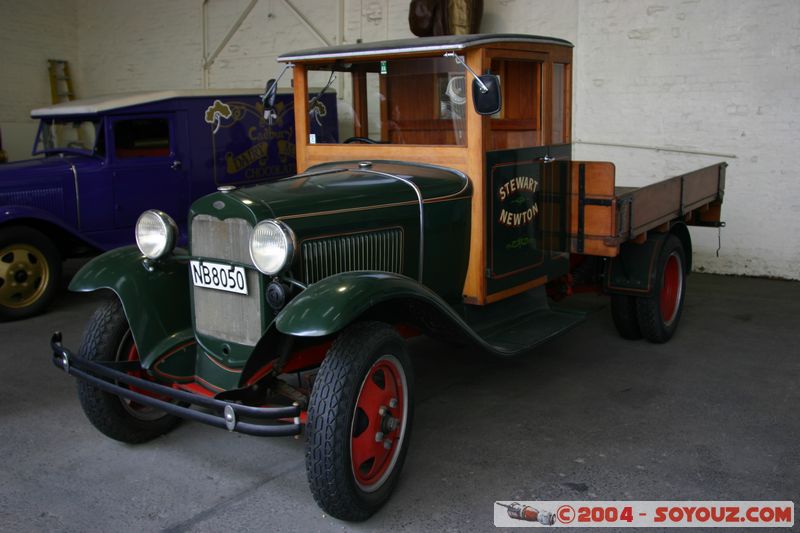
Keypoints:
pixel 335 302
pixel 155 296
pixel 332 304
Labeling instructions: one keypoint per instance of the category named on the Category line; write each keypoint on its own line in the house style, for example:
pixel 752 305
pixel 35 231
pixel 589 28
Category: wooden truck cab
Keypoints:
pixel 409 101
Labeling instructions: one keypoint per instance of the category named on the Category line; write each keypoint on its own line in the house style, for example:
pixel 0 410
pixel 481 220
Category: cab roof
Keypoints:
pixel 442 43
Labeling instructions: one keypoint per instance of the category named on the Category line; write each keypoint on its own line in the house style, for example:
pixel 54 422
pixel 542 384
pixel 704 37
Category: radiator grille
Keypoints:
pixel 220 314
pixel 374 250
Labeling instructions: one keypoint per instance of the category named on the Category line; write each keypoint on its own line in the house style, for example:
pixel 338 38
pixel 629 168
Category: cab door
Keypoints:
pixel 527 217
pixel 147 169
pixel 526 173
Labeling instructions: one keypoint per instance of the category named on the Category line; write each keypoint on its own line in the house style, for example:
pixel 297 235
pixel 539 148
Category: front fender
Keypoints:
pixel 155 298
pixel 333 303
pixel 10 213
pixel 23 214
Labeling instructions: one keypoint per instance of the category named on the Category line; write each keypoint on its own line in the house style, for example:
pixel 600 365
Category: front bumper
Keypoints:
pixel 110 377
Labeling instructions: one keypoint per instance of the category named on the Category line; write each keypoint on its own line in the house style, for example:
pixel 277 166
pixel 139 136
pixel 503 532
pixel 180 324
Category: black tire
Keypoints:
pixel 108 338
pixel 660 313
pixel 350 472
pixel 30 272
pixel 623 312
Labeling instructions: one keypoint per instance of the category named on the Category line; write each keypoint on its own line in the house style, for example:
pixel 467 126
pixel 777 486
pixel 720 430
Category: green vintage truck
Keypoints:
pixel 451 207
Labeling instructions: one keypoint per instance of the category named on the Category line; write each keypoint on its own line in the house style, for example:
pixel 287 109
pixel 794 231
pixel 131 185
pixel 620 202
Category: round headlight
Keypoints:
pixel 155 233
pixel 271 246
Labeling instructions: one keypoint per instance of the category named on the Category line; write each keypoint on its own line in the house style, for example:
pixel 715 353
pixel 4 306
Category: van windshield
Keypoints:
pixel 67 135
pixel 397 101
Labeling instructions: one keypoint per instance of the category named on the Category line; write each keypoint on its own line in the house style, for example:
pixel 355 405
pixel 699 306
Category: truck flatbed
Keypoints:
pixel 606 215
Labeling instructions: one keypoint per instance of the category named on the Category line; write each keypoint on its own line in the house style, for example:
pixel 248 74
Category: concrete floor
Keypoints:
pixel 710 416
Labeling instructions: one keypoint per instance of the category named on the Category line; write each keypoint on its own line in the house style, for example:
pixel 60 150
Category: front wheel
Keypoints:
pixel 108 338
pixel 359 421
pixel 30 269
pixel 658 315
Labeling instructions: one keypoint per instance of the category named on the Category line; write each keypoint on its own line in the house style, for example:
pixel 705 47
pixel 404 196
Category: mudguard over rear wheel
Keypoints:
pixel 108 338
pixel 359 421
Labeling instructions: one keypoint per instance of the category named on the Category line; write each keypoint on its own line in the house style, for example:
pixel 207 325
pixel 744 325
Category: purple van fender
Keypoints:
pixel 24 214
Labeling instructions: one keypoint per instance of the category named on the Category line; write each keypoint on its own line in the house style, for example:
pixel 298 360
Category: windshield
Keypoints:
pixel 397 101
pixel 67 135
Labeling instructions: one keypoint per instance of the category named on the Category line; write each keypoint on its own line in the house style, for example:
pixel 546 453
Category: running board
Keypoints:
pixel 520 323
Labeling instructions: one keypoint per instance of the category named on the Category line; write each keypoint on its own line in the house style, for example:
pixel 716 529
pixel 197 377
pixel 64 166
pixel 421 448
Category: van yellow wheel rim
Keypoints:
pixel 24 274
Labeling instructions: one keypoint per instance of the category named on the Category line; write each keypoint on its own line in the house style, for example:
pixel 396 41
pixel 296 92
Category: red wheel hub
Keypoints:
pixel 132 354
pixel 671 288
pixel 379 423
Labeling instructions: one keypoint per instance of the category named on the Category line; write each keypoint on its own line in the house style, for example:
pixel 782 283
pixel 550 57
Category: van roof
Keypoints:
pixel 99 104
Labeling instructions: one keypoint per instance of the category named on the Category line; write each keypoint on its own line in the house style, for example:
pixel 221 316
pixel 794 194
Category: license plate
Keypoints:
pixel 218 276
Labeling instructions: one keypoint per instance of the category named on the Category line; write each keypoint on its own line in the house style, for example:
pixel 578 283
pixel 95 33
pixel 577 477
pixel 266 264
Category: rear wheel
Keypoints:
pixel 359 421
pixel 30 269
pixel 660 313
pixel 108 338
pixel 623 312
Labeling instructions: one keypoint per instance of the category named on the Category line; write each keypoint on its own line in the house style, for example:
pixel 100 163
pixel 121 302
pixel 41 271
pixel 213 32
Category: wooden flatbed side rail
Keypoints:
pixel 646 208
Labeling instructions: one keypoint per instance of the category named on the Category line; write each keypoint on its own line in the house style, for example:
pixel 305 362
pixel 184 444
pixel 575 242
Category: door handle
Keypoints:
pixel 175 165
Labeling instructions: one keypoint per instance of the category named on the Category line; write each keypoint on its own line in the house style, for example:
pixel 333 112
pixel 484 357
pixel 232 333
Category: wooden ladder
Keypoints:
pixel 60 81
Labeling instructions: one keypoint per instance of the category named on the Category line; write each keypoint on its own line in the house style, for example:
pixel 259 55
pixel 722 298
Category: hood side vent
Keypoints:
pixel 50 199
pixel 373 250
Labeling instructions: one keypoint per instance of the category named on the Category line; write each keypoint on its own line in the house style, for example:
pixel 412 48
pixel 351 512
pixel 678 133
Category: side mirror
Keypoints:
pixel 268 99
pixel 270 92
pixel 486 94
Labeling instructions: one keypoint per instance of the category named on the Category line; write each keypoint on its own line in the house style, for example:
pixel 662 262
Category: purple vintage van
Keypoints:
pixel 105 160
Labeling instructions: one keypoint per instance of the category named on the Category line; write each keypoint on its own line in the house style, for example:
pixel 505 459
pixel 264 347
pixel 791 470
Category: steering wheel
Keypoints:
pixel 365 140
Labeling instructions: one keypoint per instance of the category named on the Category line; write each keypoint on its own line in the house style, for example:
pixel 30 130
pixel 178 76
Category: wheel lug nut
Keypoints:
pixel 382 410
pixel 387 444
pixel 393 403
pixel 379 436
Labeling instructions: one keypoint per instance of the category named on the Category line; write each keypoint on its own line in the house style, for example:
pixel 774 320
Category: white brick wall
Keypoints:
pixel 151 44
pixel 31 32
pixel 698 75
pixel 141 45
pixel 704 75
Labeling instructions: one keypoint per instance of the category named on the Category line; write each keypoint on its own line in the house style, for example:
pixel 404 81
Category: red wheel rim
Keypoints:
pixel 671 288
pixel 129 352
pixel 379 423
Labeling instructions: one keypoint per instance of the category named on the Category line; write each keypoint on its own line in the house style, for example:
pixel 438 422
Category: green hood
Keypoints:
pixel 343 187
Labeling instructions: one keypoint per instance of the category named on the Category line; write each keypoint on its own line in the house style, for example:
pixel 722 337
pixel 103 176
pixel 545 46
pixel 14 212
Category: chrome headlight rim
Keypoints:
pixel 170 234
pixel 290 242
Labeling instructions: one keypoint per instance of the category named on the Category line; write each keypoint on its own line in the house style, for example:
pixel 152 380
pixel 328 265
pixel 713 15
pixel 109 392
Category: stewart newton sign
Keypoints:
pixel 523 207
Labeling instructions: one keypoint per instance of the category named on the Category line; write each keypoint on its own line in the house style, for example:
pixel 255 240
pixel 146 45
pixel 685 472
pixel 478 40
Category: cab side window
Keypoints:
pixel 519 123
pixel 141 137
